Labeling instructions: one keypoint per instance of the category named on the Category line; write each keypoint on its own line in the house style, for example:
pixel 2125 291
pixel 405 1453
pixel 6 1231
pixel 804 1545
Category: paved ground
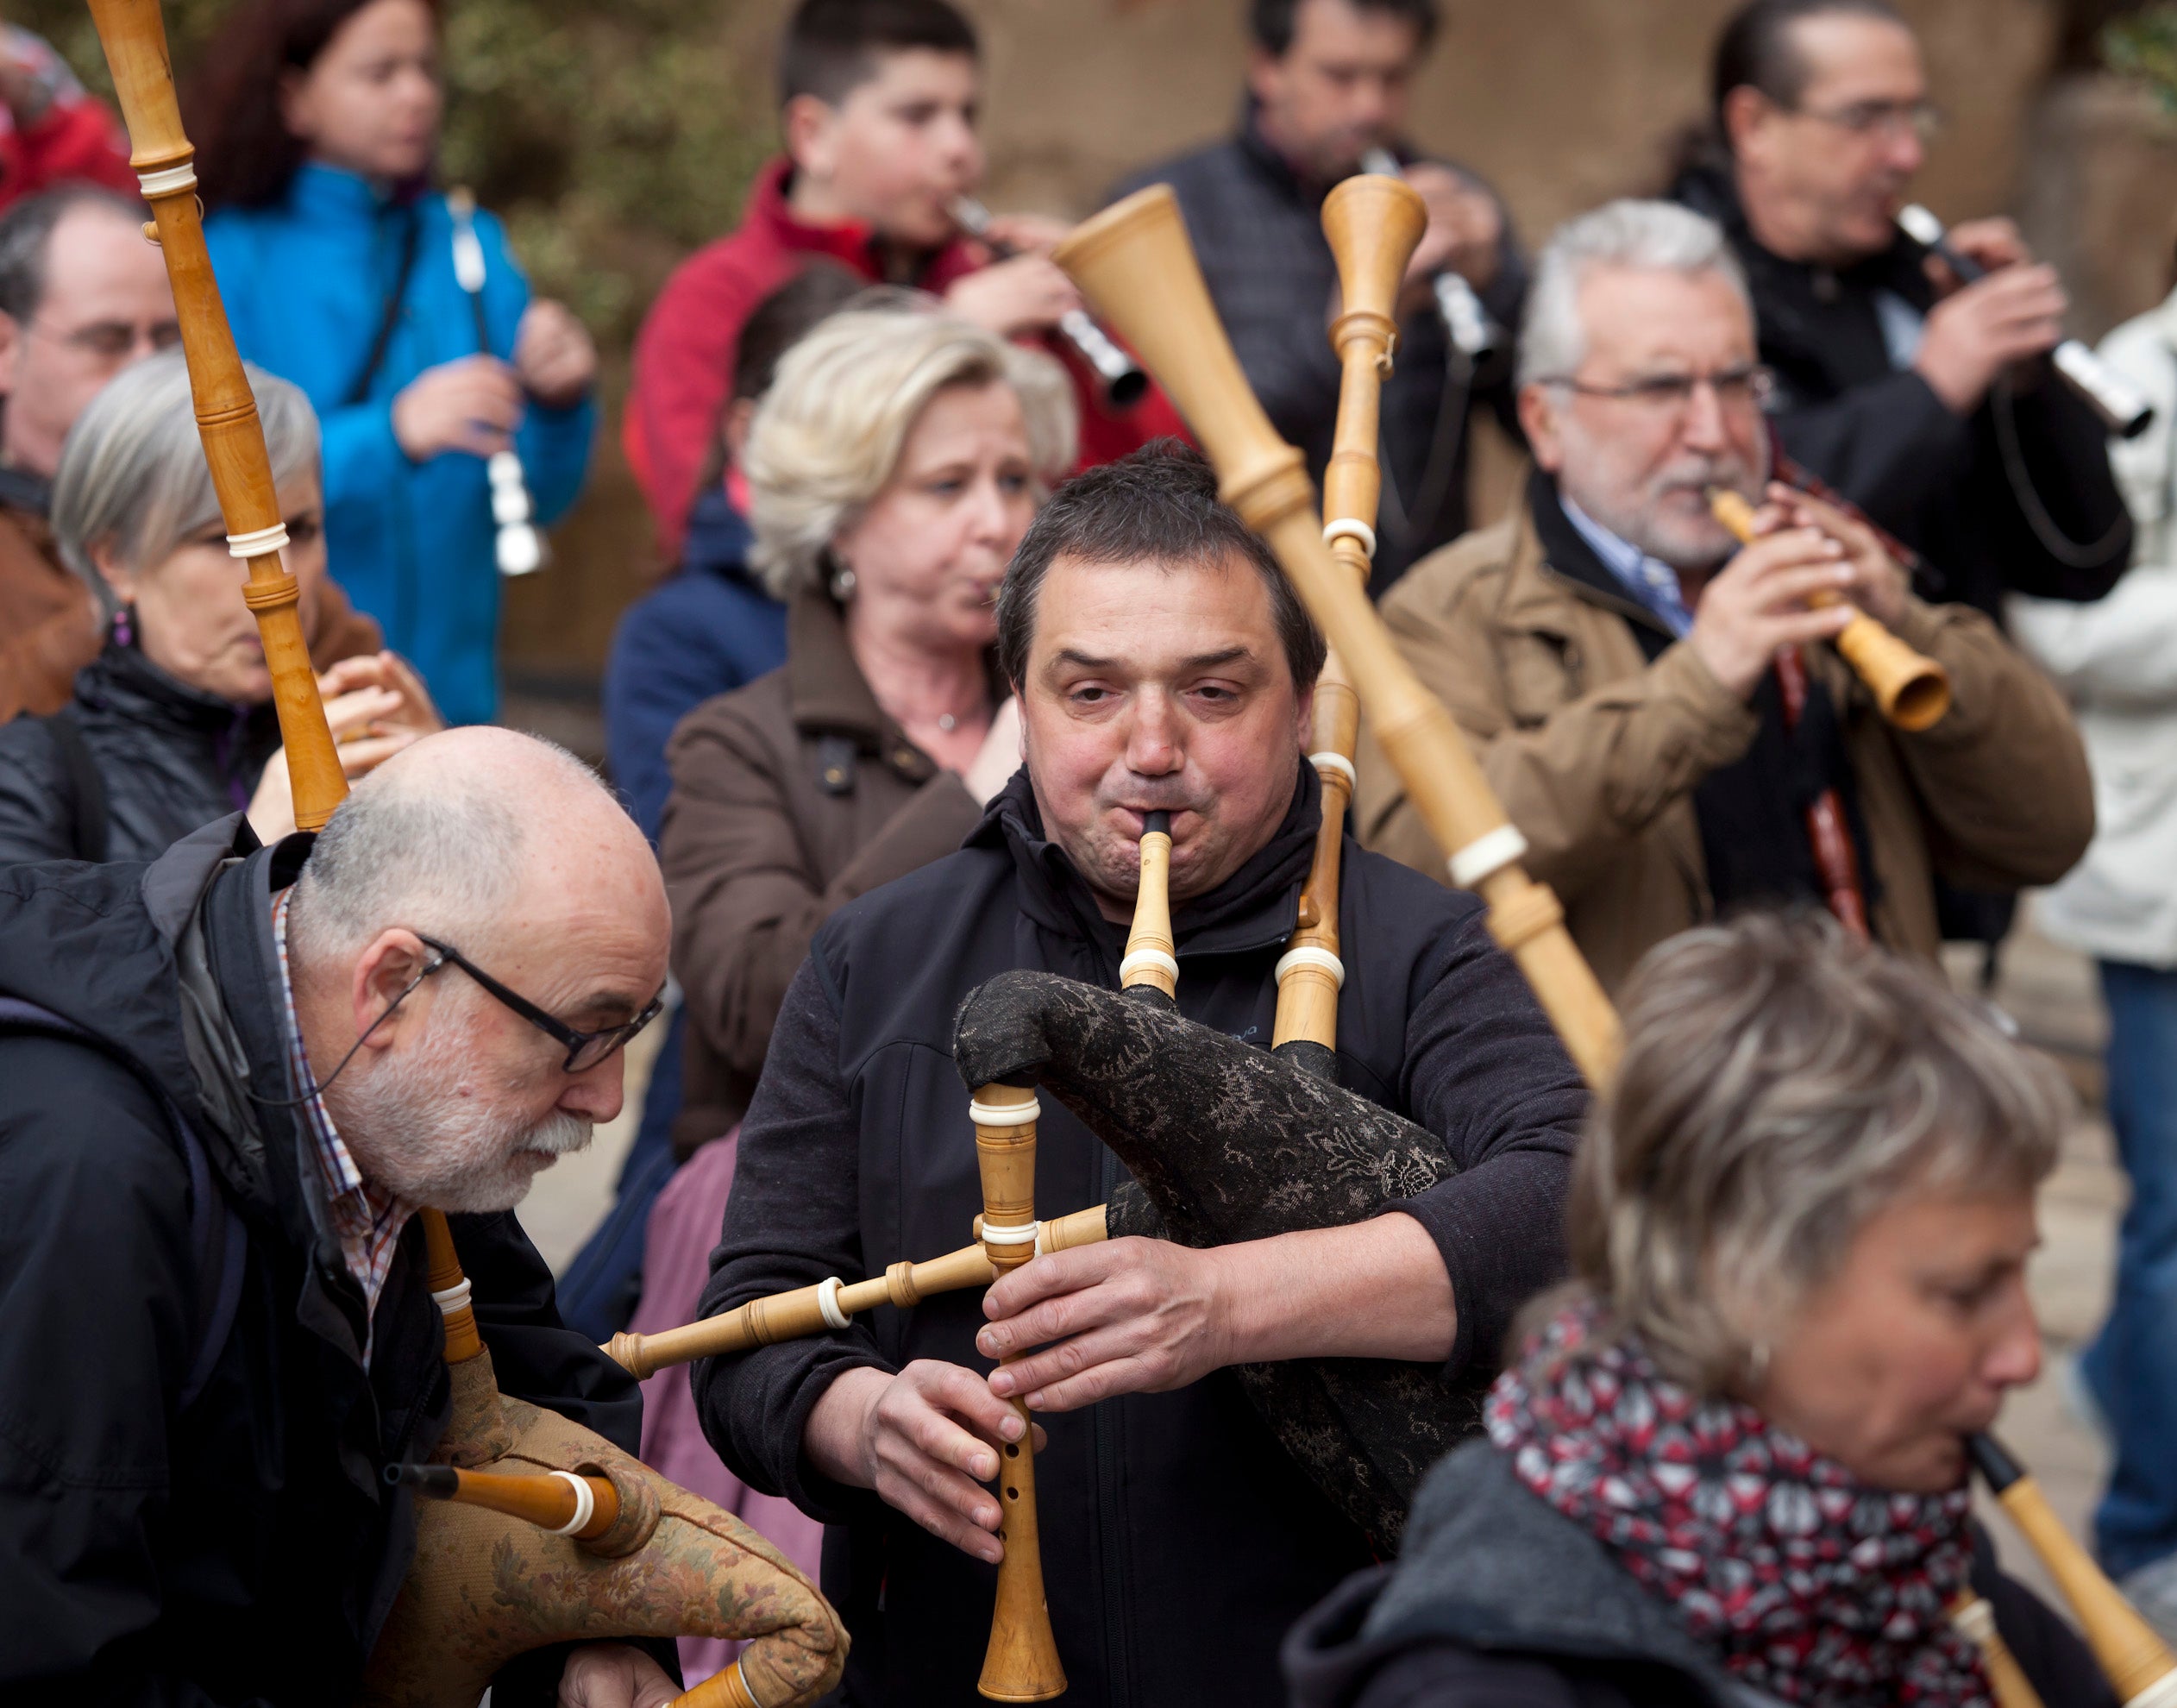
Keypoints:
pixel 2051 993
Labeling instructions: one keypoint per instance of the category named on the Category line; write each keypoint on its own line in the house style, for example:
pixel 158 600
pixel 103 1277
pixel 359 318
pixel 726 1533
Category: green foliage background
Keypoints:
pixel 613 137
pixel 2144 46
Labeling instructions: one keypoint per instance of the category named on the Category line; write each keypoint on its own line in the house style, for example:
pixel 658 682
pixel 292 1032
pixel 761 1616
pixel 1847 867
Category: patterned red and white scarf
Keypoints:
pixel 1811 1586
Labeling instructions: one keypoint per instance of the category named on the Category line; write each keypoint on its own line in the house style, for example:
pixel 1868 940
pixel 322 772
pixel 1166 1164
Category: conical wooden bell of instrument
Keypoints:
pixel 1373 223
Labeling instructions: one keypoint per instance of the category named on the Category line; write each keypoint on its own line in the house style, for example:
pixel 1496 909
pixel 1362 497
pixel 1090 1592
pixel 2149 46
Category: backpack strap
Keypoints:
pixel 217 1239
pixel 89 822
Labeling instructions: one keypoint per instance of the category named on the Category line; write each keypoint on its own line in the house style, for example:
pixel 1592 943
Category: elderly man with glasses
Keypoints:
pixel 229 1080
pixel 1613 652
pixel 1928 403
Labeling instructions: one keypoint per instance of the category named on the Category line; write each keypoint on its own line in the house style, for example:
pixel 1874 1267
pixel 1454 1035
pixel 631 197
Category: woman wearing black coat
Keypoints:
pixel 1729 1467
pixel 171 725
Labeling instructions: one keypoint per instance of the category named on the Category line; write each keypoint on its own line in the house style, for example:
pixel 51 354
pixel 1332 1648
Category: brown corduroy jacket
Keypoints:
pixel 790 797
pixel 1595 753
pixel 49 624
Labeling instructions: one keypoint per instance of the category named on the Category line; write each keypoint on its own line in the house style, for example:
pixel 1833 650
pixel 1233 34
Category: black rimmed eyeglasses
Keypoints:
pixel 585 1050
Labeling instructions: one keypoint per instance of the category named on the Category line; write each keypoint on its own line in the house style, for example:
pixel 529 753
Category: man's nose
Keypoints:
pixel 598 1092
pixel 1703 428
pixel 1154 743
pixel 958 146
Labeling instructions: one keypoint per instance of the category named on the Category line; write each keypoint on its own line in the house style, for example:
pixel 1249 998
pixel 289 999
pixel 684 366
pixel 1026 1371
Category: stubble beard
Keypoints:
pixel 416 1133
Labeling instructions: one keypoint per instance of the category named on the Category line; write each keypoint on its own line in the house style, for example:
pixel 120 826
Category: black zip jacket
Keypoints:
pixel 1257 230
pixel 1500 1601
pixel 240 1550
pixel 1179 1540
pixel 169 760
pixel 1882 437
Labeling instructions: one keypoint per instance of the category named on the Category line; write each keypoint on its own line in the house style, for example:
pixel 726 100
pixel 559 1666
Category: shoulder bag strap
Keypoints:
pixel 411 237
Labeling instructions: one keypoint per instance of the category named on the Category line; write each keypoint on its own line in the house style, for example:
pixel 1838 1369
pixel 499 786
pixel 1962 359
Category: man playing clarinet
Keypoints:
pixel 1328 86
pixel 1163 665
pixel 1611 652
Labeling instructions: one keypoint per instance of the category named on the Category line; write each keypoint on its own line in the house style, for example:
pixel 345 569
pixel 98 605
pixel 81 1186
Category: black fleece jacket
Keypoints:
pixel 1880 436
pixel 240 1549
pixel 1179 1540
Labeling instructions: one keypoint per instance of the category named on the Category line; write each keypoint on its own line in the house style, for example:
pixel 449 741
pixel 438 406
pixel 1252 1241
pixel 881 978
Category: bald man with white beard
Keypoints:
pixel 227 1081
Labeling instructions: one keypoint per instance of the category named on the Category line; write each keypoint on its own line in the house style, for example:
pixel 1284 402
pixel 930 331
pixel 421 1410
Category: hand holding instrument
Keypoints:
pixel 1912 691
pixel 1123 383
pixel 2123 408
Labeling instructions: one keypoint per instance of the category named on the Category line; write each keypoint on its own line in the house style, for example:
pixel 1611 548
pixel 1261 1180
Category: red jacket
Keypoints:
pixel 685 353
pixel 73 138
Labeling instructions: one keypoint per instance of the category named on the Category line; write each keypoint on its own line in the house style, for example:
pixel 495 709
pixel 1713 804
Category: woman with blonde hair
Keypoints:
pixel 1729 1466
pixel 892 466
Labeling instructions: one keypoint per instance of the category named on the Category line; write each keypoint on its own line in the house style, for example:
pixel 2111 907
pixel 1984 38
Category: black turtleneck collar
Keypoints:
pixel 1254 908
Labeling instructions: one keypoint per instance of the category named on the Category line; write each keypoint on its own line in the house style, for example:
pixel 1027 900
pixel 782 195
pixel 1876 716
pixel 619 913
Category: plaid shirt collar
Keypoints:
pixel 367 1220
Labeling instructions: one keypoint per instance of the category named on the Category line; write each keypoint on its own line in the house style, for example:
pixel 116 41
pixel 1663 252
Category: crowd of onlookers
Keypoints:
pixel 845 414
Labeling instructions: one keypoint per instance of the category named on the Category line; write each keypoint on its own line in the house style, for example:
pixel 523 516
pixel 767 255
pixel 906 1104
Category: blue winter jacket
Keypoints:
pixel 708 630
pixel 305 284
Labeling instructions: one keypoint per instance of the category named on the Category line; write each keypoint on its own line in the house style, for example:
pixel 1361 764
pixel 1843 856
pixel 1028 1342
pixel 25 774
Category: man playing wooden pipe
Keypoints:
pixel 1164 665
pixel 227 1082
pixel 1610 648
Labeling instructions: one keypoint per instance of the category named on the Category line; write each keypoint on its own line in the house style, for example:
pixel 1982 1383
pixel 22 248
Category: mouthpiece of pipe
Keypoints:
pixel 1160 823
pixel 443 1482
pixel 1997 1467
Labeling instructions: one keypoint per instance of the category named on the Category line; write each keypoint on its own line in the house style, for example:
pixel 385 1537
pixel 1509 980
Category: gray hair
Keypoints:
pixel 26 240
pixel 1648 236
pixel 133 476
pixel 409 848
pixel 1781 1083
pixel 828 436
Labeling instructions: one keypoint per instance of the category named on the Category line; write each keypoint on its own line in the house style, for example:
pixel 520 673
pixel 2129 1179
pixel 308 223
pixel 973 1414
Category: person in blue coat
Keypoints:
pixel 713 627
pixel 318 123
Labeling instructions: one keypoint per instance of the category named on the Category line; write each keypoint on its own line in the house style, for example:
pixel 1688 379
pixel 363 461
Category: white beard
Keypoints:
pixel 418 1130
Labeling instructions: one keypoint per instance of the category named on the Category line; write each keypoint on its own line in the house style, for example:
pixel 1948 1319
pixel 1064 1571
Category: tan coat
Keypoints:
pixel 790 797
pixel 1595 753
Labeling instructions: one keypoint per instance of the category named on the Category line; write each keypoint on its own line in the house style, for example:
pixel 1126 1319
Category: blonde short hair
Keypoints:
pixel 1781 1083
pixel 828 436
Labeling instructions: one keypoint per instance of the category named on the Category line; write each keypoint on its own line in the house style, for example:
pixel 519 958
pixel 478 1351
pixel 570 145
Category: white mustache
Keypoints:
pixel 557 1134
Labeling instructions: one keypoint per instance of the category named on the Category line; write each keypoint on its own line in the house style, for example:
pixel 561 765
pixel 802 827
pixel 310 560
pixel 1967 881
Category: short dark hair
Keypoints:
pixel 1272 23
pixel 1159 504
pixel 782 319
pixel 1757 49
pixel 832 47
pixel 26 240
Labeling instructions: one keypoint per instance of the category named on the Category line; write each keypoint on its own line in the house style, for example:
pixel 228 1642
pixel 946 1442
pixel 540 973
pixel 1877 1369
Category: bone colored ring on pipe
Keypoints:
pixel 585 1504
pixel 828 1303
pixel 452 1298
pixel 2163 1693
pixel 167 180
pixel 1012 1236
pixel 1328 761
pixel 1005 1115
pixel 1149 958
pixel 1486 854
pixel 1308 955
pixel 1350 528
pixel 273 538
